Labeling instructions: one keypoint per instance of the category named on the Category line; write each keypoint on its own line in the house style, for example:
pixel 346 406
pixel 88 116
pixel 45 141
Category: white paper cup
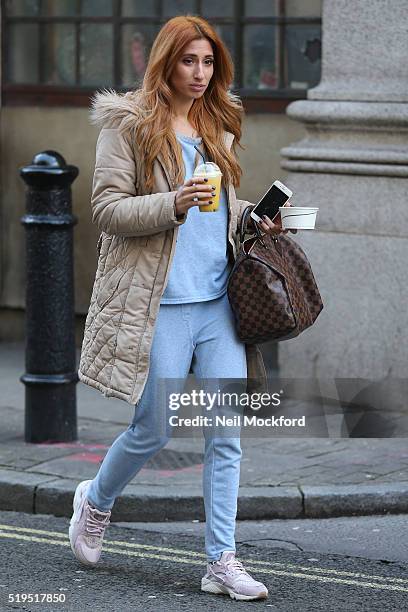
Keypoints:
pixel 298 217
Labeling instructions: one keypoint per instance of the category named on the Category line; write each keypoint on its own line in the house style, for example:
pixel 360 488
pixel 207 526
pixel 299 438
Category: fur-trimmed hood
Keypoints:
pixel 122 110
pixel 108 106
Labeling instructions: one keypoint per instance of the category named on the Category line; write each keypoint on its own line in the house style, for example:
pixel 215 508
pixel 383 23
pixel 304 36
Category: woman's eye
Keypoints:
pixel 208 62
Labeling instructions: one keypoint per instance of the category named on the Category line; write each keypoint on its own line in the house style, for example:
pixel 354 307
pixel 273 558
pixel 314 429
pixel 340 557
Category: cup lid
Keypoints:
pixel 207 168
pixel 297 208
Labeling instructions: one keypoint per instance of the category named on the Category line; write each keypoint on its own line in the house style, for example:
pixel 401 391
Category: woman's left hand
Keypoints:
pixel 269 227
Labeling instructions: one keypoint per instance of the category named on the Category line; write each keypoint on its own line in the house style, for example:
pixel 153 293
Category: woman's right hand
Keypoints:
pixel 195 191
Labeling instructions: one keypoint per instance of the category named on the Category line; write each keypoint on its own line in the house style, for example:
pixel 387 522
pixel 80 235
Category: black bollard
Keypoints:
pixel 50 360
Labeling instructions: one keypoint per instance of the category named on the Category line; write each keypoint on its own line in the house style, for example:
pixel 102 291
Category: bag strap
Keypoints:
pixel 258 233
pixel 242 227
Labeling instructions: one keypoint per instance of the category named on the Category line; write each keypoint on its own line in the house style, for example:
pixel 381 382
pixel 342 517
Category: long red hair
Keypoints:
pixel 217 110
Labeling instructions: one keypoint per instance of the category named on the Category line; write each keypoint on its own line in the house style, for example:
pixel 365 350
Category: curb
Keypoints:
pixel 44 494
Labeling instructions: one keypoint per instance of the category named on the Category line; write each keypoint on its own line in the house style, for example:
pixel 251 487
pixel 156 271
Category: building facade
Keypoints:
pixel 55 54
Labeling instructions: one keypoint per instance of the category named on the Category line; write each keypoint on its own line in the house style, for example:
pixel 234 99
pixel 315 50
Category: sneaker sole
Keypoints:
pixel 221 589
pixel 76 504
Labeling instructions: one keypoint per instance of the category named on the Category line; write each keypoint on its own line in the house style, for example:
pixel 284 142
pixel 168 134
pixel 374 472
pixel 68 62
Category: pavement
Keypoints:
pixel 306 476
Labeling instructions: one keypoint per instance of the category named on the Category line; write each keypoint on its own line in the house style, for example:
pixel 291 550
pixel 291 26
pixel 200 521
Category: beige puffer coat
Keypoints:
pixel 136 248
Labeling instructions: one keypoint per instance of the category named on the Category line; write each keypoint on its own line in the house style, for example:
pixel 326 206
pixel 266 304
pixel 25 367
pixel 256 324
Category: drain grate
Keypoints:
pixel 167 459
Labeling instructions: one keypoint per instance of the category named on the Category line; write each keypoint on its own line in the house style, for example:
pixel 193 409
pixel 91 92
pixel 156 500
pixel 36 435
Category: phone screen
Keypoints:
pixel 269 205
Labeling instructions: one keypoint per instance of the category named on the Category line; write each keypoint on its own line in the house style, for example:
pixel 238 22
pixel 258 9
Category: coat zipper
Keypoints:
pixel 175 229
pixel 230 240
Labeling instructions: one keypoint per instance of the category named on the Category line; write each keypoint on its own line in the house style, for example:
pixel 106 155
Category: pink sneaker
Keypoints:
pixel 228 575
pixel 87 527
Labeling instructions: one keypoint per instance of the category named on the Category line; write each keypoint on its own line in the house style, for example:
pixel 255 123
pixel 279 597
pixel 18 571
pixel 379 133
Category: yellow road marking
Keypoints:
pixel 199 555
pixel 203 556
pixel 161 557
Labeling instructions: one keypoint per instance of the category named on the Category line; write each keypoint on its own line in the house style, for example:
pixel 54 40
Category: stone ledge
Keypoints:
pixel 332 167
pixel 358 114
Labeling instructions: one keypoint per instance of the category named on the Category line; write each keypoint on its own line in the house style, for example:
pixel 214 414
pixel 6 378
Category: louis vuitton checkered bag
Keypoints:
pixel 271 288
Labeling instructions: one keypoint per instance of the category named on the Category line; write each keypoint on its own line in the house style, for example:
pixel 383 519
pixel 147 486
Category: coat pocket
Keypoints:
pixel 133 240
pixel 99 243
pixel 109 287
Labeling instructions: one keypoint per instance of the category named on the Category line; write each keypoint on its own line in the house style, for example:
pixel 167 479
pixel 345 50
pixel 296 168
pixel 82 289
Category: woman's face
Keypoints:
pixel 195 67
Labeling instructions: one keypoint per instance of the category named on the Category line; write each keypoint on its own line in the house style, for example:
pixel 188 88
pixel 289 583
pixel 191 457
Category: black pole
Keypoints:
pixel 51 374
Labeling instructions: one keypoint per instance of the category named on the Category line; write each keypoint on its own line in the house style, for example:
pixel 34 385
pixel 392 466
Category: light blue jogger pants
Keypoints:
pixel 203 335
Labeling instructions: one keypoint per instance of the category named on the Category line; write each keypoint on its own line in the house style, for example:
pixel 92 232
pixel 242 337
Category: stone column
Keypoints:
pixel 353 164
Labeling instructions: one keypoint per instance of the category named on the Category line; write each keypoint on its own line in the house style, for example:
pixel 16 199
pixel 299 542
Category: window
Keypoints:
pixel 60 51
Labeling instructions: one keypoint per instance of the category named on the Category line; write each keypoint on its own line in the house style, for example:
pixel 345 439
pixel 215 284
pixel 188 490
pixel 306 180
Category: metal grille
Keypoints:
pixel 168 459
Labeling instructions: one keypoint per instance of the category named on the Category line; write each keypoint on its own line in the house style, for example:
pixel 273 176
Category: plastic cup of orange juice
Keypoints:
pixel 213 173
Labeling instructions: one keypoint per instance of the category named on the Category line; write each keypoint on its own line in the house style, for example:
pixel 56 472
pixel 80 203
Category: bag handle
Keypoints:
pixel 242 227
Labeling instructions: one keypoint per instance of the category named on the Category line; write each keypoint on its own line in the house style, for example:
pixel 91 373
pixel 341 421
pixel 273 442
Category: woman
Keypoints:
pixel 157 308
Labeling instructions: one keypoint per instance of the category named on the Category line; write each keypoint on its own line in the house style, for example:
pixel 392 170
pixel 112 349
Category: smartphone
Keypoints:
pixel 276 196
